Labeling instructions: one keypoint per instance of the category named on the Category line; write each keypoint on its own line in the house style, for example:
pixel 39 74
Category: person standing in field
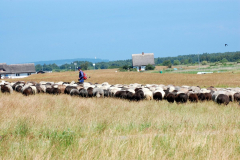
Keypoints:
pixel 80 79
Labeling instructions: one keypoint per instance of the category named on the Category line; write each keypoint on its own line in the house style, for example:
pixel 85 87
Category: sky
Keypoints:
pixel 41 30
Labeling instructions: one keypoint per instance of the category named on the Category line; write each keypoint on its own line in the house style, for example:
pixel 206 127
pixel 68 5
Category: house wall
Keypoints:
pixel 142 68
pixel 21 75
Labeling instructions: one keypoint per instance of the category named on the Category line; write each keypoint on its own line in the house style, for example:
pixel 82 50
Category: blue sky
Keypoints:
pixel 39 30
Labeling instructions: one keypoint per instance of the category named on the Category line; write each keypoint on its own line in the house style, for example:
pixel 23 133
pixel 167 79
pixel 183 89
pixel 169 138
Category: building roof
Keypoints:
pixel 17 68
pixel 143 59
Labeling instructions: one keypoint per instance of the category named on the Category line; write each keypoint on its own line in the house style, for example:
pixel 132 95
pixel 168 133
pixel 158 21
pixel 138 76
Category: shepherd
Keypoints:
pixel 82 76
pixel 80 79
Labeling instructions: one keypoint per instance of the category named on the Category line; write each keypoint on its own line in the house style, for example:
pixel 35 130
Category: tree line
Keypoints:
pixel 181 59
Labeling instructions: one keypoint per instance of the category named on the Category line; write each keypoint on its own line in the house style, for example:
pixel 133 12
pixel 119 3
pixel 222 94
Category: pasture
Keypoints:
pixel 63 127
pixel 227 79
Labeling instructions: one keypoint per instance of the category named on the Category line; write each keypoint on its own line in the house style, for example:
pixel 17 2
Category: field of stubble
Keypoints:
pixel 64 127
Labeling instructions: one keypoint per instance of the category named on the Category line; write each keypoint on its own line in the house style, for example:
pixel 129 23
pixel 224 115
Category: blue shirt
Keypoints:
pixel 81 76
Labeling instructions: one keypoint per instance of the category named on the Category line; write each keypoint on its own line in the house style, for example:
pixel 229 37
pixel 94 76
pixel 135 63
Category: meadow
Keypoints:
pixel 64 127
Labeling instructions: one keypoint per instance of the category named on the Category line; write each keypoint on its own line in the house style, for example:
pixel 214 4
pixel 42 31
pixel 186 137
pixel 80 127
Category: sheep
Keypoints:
pixel 83 92
pixel 6 89
pixel 106 93
pixel 27 91
pixel 61 88
pixel 43 88
pixel 171 97
pixel 193 97
pixel 24 87
pixel 2 82
pixel 158 94
pixel 69 88
pixel 181 98
pixel 90 92
pixel 222 99
pixel 74 92
pixel 34 89
pixel 98 92
pixel 18 88
pixel 121 94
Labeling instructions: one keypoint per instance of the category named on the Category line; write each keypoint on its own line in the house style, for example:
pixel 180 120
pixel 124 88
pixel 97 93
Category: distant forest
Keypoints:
pixel 182 59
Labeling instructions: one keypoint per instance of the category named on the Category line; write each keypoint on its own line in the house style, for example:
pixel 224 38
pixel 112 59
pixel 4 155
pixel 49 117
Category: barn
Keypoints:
pixel 140 61
pixel 16 70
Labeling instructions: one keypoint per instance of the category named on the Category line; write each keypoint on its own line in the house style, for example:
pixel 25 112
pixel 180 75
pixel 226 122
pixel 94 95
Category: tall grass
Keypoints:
pixel 64 127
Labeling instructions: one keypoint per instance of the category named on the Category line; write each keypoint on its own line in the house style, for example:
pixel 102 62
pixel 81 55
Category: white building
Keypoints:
pixel 16 70
pixel 140 61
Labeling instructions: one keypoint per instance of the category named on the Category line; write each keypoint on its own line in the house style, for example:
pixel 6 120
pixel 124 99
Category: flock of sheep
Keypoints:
pixel 132 92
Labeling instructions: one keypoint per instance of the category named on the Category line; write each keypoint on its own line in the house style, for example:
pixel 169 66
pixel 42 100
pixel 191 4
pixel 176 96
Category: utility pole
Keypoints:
pixel 75 66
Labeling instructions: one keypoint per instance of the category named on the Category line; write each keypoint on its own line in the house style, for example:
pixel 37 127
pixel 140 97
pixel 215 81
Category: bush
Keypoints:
pixel 133 69
pixel 122 70
pixel 150 67
pixel 126 68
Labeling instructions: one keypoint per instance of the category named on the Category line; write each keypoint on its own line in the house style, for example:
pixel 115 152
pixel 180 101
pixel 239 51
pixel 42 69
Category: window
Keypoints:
pixel 17 74
pixel 29 74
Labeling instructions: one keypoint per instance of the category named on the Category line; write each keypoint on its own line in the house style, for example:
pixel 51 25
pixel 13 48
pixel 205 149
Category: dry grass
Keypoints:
pixel 109 75
pixel 64 127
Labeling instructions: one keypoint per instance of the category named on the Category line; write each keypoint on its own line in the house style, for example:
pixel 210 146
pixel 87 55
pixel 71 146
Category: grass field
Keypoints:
pixel 64 127
pixel 227 79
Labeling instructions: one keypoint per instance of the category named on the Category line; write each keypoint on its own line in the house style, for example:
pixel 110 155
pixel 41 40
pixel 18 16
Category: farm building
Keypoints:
pixel 140 61
pixel 16 70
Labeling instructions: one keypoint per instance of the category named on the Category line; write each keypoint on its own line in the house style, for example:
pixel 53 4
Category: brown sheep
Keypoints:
pixel 28 91
pixel 171 97
pixel 193 97
pixel 237 97
pixel 223 99
pixel 181 98
pixel 208 96
pixel 157 96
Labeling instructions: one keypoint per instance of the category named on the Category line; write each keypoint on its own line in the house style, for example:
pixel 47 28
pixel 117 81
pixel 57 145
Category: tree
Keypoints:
pixel 125 67
pixel 167 63
pixel 150 67
pixel 38 67
pixel 185 61
pixel 190 61
pixel 103 66
pixel 84 66
pixel 176 62
pixel 224 60
pixel 204 62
